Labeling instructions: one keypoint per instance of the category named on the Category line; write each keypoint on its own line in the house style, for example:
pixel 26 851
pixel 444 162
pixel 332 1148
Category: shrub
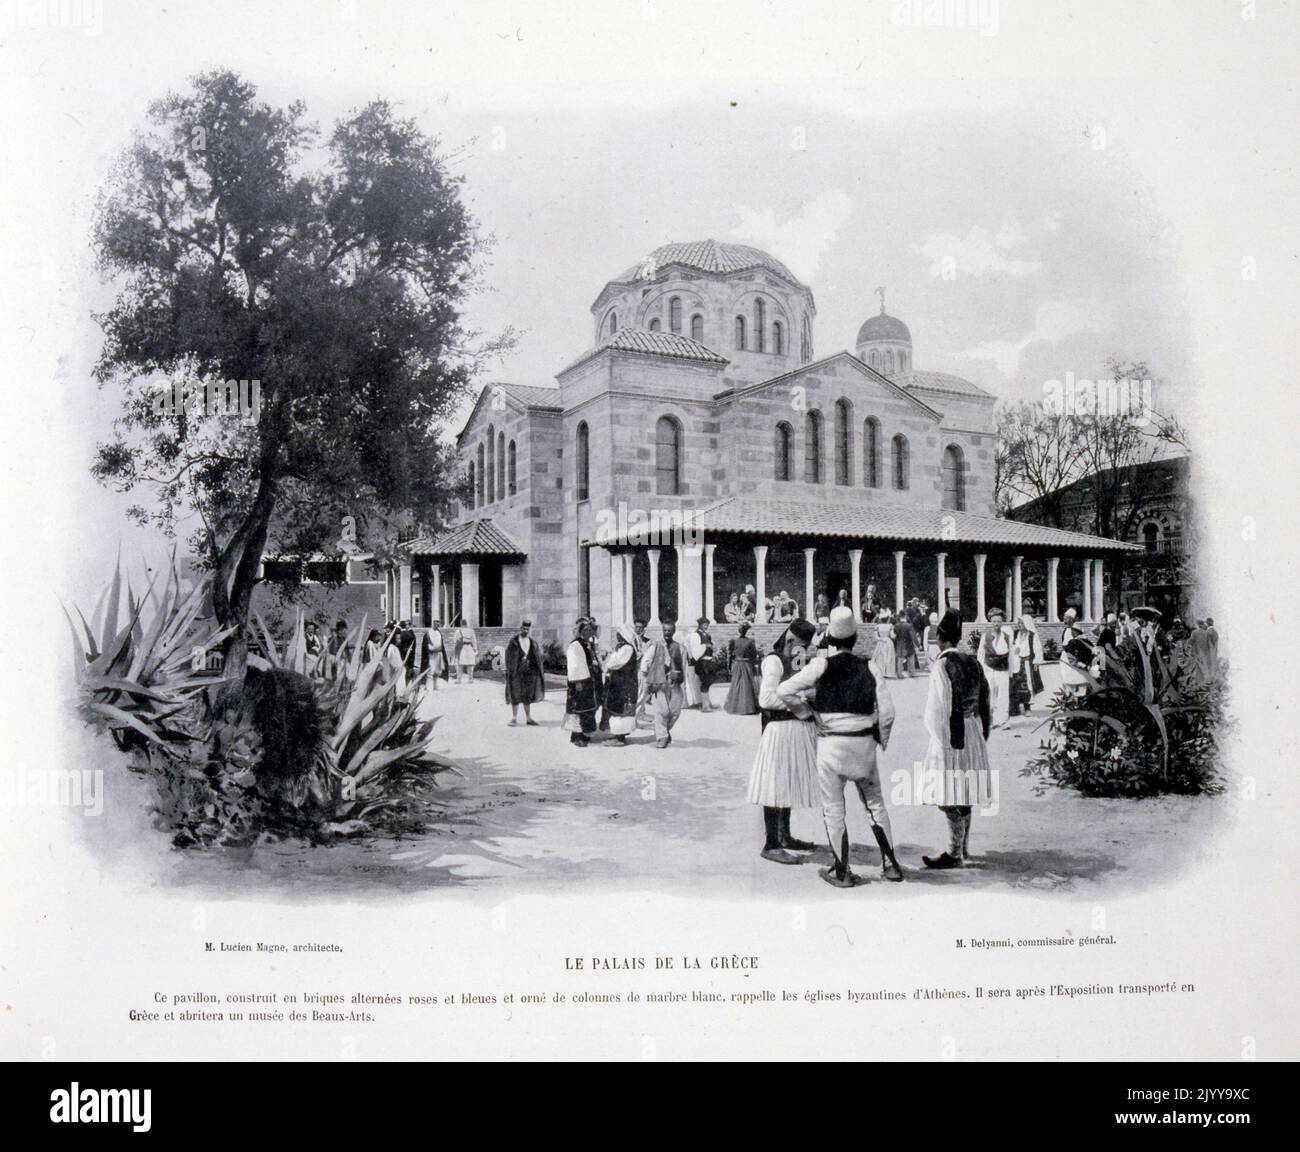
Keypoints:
pixel 1051 650
pixel 1140 733
pixel 553 657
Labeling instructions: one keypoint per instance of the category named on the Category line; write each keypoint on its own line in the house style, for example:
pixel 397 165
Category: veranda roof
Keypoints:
pixel 806 518
pixel 474 538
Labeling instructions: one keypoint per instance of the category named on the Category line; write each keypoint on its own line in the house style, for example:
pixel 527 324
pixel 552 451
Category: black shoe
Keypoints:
pixel 779 856
pixel 942 861
pixel 788 842
pixel 835 879
pixel 889 868
pixel 579 741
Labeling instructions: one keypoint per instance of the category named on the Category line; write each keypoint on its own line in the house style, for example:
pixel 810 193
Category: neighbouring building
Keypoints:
pixel 1150 507
pixel 700 445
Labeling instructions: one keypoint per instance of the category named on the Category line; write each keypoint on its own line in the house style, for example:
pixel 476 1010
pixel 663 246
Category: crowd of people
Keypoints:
pixel 825 711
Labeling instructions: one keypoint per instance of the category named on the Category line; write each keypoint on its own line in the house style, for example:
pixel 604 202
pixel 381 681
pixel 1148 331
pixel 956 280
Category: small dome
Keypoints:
pixel 883 327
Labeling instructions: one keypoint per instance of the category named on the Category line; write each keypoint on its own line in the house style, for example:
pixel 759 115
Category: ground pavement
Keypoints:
pixel 534 813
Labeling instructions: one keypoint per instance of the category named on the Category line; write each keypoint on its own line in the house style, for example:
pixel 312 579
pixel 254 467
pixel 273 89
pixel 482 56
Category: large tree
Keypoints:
pixel 333 273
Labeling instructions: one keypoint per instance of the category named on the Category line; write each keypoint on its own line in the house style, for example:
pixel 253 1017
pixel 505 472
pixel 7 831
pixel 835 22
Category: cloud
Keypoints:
pixel 977 253
pixel 801 240
pixel 1054 321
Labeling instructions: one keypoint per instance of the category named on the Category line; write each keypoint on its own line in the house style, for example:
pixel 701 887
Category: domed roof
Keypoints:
pixel 883 327
pixel 712 256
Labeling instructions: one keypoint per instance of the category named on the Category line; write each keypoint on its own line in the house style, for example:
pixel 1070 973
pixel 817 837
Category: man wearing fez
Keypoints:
pixel 854 713
pixel 524 683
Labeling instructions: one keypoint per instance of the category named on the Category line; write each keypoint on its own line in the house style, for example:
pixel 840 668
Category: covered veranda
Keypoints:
pixel 882 558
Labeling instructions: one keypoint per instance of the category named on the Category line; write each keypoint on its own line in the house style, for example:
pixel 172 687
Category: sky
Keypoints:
pixel 1033 183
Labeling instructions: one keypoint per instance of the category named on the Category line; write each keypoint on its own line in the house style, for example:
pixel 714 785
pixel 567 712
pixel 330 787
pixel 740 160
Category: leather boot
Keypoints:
pixel 772 849
pixel 965 835
pixel 953 857
pixel 788 842
pixel 889 868
pixel 839 874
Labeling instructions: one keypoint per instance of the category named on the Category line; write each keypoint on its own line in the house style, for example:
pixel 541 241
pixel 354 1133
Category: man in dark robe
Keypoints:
pixel 524 682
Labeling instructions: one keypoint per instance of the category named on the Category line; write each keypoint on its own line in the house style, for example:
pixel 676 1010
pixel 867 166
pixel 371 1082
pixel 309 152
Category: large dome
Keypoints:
pixel 712 256
pixel 883 327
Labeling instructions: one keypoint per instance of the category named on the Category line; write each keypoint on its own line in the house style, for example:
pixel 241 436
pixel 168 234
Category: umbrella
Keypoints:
pixel 1146 612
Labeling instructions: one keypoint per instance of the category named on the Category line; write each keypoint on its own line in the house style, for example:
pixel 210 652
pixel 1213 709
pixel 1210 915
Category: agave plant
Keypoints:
pixel 141 675
pixel 376 739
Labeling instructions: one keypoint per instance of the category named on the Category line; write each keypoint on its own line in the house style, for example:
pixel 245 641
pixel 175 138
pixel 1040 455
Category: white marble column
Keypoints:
pixel 629 600
pixel 1086 611
pixel 941 574
pixel 709 549
pixel 855 589
pixel 469 593
pixel 760 583
pixel 809 583
pixel 980 605
pixel 1099 589
pixel 1017 588
pixel 403 593
pixel 616 591
pixel 1053 606
pixel 898 581
pixel 653 556
pixel 435 605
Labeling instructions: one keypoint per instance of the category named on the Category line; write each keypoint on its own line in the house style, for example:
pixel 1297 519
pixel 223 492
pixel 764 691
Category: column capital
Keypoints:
pixel 855 552
pixel 900 552
pixel 941 555
pixel 810 551
pixel 653 553
pixel 709 548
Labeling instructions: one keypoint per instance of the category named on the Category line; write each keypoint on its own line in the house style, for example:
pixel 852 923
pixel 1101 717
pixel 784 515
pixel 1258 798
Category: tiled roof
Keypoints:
pixel 754 516
pixel 706 256
pixel 531 396
pixel 476 538
pixel 653 344
pixel 940 382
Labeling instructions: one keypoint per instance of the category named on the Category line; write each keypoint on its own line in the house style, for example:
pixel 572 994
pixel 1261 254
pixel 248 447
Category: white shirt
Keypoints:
pixel 576 661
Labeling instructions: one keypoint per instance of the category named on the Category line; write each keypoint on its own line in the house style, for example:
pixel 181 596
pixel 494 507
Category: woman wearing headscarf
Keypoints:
pixel 621 689
pixel 997 657
pixel 955 774
pixel 784 775
pixel 884 656
pixel 466 651
pixel 742 698
pixel 1029 649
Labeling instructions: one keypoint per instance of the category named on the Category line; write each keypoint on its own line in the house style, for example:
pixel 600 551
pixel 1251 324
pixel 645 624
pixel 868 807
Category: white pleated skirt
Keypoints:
pixel 952 776
pixel 785 768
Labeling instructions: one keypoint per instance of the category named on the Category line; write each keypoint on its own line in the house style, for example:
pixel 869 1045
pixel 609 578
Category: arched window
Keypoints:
pixel 473 486
pixel 478 488
pixel 668 457
pixel 871 452
pixel 805 341
pixel 778 338
pixel 760 325
pixel 613 323
pixel 654 324
pixel 903 361
pixel 812 448
pixel 740 333
pixel 1151 537
pixel 490 472
pixel 902 463
pixel 675 314
pixel 501 465
pixel 784 454
pixel 512 474
pixel 874 359
pixel 583 462
pixel 843 442
pixel 697 327
pixel 954 479
pixel 889 362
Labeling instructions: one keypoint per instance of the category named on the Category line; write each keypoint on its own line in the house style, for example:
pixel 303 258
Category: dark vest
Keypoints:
pixel 847 686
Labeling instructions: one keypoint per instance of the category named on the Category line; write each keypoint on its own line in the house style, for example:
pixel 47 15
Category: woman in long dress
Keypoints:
pixel 742 699
pixel 466 652
pixel 784 775
pixel 884 656
pixel 435 654
pixel 955 774
pixel 621 686
pixel 1029 648
pixel 930 640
